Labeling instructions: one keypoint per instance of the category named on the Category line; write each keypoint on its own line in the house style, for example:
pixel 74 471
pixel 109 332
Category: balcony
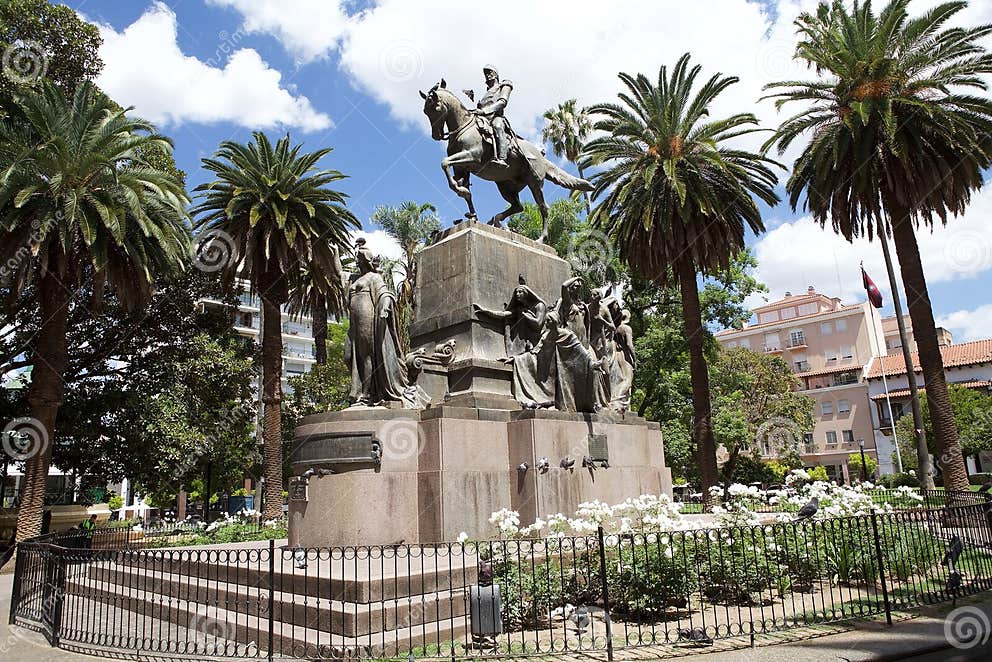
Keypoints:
pixel 768 349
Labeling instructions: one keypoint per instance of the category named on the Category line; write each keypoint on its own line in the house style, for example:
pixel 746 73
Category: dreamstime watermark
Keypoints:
pixel 214 631
pixel 968 251
pixel 23 252
pixel 400 439
pixel 778 434
pixel 967 627
pixel 213 250
pixel 24 61
pixel 228 44
pixel 590 252
pixel 775 58
pixel 24 438
pixel 401 61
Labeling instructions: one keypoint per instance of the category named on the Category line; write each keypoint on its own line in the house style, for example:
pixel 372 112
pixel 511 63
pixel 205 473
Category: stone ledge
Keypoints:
pixel 500 233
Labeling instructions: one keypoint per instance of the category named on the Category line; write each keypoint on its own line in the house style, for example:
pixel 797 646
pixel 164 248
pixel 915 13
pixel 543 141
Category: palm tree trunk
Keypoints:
pixel 702 422
pixel 319 321
pixel 271 401
pixel 45 397
pixel 925 333
pixel 585 194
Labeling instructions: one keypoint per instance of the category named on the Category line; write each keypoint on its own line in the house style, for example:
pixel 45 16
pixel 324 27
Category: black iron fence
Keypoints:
pixel 600 592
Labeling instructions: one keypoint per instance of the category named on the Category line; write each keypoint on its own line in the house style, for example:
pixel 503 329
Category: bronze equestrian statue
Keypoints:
pixel 481 142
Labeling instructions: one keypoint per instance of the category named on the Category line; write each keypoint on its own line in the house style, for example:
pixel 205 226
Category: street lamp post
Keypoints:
pixel 864 465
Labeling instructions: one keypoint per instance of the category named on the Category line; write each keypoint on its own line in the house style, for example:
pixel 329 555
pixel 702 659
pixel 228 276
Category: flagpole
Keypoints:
pixel 885 385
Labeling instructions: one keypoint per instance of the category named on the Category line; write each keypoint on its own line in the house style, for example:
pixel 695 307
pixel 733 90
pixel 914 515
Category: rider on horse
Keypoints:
pixel 491 107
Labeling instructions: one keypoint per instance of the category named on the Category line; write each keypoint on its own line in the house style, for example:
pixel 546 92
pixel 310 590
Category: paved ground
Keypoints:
pixel 920 639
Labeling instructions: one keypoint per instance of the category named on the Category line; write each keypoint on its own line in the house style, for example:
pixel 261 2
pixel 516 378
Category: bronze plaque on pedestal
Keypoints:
pixel 336 448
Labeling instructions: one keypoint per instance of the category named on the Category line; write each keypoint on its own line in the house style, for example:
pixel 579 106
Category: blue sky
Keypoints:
pixel 346 75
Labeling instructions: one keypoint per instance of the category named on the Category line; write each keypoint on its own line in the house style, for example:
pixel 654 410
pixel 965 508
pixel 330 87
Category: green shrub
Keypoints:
pixel 733 565
pixel 647 577
pixel 115 502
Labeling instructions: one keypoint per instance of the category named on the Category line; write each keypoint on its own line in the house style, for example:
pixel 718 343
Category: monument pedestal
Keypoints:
pixel 369 476
pixel 445 470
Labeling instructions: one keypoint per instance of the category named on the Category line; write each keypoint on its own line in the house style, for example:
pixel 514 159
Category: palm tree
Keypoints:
pixel 411 225
pixel 567 128
pixel 677 199
pixel 316 294
pixel 277 211
pixel 79 203
pixel 895 141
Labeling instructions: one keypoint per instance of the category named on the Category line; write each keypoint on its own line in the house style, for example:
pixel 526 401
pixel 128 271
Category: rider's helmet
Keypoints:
pixel 488 68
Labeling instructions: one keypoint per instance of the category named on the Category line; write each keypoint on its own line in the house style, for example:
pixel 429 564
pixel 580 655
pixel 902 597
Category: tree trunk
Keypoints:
pixel 45 397
pixel 919 431
pixel 702 422
pixel 319 322
pixel 272 401
pixel 727 473
pixel 931 362
pixel 585 194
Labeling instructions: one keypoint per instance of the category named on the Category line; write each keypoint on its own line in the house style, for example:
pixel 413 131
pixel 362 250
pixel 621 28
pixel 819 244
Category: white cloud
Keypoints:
pixel 967 325
pixel 308 29
pixel 380 243
pixel 799 253
pixel 145 68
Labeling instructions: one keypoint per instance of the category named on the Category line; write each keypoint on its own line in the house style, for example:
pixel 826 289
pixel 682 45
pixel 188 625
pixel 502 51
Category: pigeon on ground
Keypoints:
pixel 953 582
pixel 954 550
pixel 807 511
pixel 567 462
pixel 697 636
pixel 580 618
pixel 543 465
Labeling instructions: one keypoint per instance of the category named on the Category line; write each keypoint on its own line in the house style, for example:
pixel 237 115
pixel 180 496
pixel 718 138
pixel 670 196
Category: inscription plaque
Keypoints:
pixel 598 449
pixel 336 448
pixel 298 489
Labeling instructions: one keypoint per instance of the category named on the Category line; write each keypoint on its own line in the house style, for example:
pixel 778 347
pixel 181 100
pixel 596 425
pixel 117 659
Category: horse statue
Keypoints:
pixel 470 153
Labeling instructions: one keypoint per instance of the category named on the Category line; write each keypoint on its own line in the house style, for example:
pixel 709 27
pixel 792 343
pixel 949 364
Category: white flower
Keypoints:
pixel 462 537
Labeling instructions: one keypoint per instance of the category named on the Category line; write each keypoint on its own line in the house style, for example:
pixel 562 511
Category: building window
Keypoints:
pixel 848 436
pixel 764 318
pixel 845 378
pixel 745 343
pixel 827 407
pixel 771 341
pixel 831 438
pixel 731 344
pixel 842 325
pixel 788 313
pixel 830 355
pixel 797 338
pixel 807 309
pixel 808 444
pixel 802 365
pixel 826 328
pixel 847 352
pixel 843 406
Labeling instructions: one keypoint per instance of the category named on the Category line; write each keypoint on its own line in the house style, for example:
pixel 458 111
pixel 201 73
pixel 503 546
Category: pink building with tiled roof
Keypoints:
pixel 967 364
pixel 828 345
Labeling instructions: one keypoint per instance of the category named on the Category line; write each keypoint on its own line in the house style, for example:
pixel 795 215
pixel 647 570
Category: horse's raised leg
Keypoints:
pixel 537 190
pixel 510 193
pixel 460 188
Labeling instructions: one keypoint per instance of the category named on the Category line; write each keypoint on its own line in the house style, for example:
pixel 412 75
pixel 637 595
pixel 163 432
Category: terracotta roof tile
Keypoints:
pixel 904 392
pixel 966 353
pixel 829 371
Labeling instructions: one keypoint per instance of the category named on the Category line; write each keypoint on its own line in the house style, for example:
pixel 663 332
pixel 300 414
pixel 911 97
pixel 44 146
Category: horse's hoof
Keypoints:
pixel 471 217
pixel 495 223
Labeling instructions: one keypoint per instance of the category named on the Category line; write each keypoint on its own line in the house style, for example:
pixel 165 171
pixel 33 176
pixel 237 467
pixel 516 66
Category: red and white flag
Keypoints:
pixel 873 293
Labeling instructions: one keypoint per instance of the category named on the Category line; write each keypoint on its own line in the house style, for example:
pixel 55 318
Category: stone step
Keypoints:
pixel 135 618
pixel 346 618
pixel 350 575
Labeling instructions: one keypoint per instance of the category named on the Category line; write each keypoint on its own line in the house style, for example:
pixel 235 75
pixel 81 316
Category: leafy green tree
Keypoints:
pixel 412 225
pixel 972 411
pixel 276 211
pixel 315 294
pixel 896 140
pixel 677 195
pixel 44 40
pixel 757 408
pixel 77 197
pixel 567 127
pixel 854 466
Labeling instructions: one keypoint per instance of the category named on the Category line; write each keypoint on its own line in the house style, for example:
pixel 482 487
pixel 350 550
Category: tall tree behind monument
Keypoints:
pixel 676 199
pixel 274 209
pixel 900 136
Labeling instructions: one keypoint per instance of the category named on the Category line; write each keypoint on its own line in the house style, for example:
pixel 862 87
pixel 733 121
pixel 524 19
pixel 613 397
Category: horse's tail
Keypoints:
pixel 562 178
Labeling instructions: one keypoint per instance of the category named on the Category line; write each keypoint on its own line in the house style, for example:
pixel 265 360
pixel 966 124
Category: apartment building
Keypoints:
pixel 298 349
pixel 828 345
pixel 967 364
pixel 893 343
